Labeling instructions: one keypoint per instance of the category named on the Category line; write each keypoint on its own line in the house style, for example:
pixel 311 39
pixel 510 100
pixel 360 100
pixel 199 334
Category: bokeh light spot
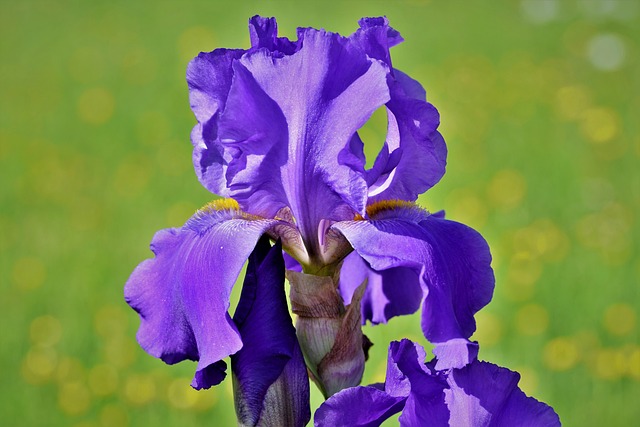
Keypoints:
pixel 45 330
pixel 634 364
pixel 600 125
pixel 103 380
pixel 28 273
pixel 609 364
pixel 606 52
pixel 39 364
pixel 572 102
pixel 140 389
pixel 539 11
pixel 96 106
pixel 74 398
pixel 532 319
pixel 467 207
pixel 507 189
pixel 619 319
pixel 560 354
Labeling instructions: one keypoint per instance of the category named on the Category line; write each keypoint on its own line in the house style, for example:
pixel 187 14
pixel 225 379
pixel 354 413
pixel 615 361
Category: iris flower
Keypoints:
pixel 480 394
pixel 277 138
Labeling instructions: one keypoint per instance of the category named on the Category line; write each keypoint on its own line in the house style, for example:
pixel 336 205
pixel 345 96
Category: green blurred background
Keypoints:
pixel 537 100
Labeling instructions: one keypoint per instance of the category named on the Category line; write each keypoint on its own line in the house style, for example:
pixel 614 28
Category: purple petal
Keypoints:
pixel 413 157
pixel 325 91
pixel 455 353
pixel 264 34
pixel 182 295
pixel 483 394
pixel 358 407
pixel 271 385
pixel 389 293
pixel 451 260
pixel 209 78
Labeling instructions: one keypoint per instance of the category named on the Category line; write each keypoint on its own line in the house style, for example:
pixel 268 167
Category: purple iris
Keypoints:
pixel 277 135
pixel 479 394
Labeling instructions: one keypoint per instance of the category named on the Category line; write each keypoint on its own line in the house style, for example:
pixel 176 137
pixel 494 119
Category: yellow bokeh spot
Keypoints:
pixel 114 415
pixel 96 106
pixel 572 101
pixel 28 273
pixel 110 321
pixel 45 330
pixel 507 189
pixel 634 364
pixel 39 364
pixel 103 380
pixel 488 329
pixel 561 354
pixel 181 395
pixel 140 389
pixel 532 319
pixel 74 398
pixel 195 40
pixel 542 239
pixel 619 319
pixel 609 364
pixel 600 125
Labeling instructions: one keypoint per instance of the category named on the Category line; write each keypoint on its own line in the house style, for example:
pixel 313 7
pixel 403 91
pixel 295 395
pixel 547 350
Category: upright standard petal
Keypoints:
pixel 271 386
pixel 322 94
pixel 452 263
pixel 413 157
pixel 182 295
pixel 209 78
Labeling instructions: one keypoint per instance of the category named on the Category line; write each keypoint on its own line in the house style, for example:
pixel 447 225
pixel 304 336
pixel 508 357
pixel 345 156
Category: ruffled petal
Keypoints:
pixel 483 394
pixel 451 261
pixel 358 407
pixel 271 386
pixel 413 157
pixel 209 78
pixel 182 295
pixel 324 92
pixel 264 34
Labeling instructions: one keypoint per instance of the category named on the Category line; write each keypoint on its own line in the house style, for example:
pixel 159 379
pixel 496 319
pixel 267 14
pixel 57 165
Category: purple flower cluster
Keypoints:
pixel 277 136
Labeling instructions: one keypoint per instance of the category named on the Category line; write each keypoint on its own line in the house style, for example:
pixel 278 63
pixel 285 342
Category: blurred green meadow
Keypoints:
pixel 537 102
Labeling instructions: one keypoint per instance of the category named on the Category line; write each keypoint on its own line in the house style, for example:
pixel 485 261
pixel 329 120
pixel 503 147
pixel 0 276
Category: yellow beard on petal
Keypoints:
pixel 387 205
